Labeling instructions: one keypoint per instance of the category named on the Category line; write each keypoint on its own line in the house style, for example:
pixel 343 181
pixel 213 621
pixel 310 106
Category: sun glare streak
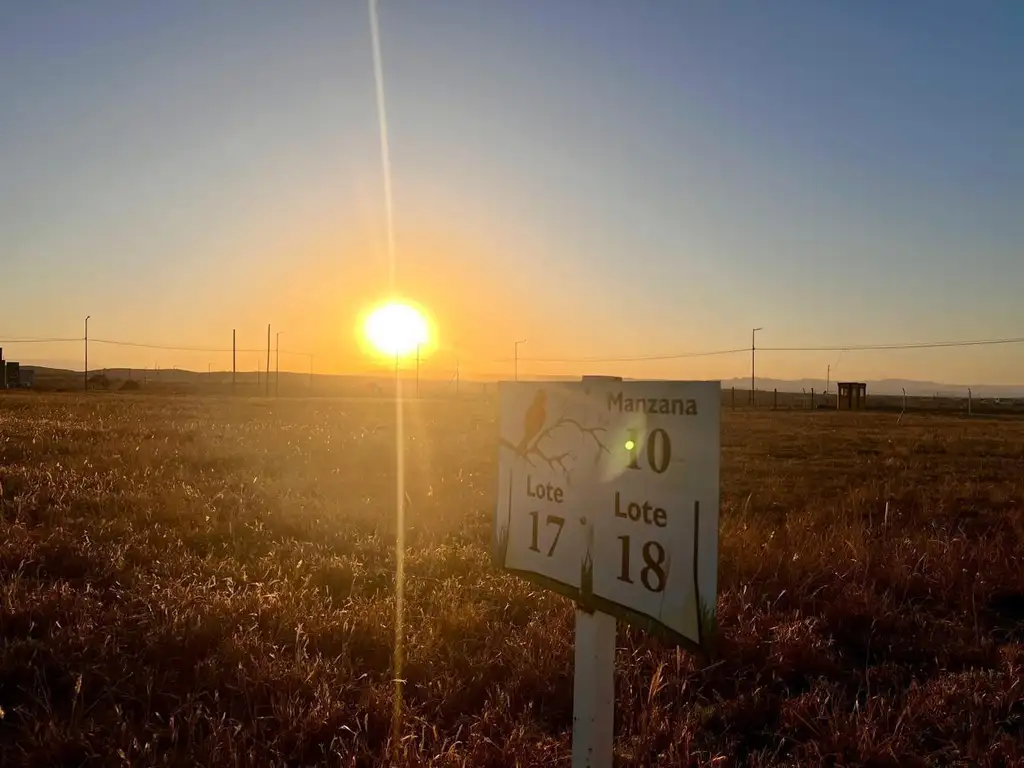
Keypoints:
pixel 378 73
pixel 385 153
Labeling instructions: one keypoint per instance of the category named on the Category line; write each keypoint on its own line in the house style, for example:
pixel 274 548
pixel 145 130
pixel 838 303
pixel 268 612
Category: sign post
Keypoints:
pixel 608 493
pixel 593 693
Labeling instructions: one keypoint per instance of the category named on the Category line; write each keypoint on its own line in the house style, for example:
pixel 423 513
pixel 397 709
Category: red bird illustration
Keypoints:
pixel 533 421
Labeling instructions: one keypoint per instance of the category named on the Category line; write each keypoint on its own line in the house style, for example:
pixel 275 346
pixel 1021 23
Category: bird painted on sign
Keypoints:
pixel 533 421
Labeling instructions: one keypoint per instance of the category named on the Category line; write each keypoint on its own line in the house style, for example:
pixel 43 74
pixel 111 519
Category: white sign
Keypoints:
pixel 608 493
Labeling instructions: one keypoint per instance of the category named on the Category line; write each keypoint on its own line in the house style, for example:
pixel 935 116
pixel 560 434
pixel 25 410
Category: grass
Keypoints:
pixel 203 581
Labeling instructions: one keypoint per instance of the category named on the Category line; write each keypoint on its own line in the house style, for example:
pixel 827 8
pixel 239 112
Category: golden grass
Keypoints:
pixel 204 581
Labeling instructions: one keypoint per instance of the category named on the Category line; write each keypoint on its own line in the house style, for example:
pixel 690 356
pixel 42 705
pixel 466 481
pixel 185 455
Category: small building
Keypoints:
pixel 852 395
pixel 13 374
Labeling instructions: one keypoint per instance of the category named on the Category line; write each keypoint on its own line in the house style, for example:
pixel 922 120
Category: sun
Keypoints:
pixel 396 328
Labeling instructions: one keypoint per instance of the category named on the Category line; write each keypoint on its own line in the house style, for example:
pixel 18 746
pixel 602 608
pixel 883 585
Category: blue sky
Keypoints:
pixel 602 178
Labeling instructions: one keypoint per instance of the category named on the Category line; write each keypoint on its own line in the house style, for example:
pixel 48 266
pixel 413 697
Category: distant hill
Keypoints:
pixel 885 387
pixel 182 376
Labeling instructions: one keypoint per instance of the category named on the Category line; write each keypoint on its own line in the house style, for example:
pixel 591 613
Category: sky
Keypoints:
pixel 603 179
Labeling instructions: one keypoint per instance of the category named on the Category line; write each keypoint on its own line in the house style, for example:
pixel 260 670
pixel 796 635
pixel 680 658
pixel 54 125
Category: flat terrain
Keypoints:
pixel 203 581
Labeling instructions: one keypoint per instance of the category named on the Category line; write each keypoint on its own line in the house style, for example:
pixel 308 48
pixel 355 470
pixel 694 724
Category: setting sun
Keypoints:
pixel 396 328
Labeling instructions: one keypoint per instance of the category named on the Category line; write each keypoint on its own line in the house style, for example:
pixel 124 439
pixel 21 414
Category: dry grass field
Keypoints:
pixel 200 581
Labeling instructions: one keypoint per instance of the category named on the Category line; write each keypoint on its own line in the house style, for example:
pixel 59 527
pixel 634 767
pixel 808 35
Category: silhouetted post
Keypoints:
pixel 516 347
pixel 234 353
pixel 969 403
pixel 734 398
pixel 775 400
pixel 812 398
pixel 753 386
pixel 268 362
pixel 86 374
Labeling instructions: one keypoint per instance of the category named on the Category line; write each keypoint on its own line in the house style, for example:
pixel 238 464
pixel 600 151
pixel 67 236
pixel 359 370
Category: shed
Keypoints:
pixel 852 395
pixel 13 375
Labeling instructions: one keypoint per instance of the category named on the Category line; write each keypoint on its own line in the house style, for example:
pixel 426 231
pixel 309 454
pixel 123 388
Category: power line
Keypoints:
pixel 583 359
pixel 633 359
pixel 908 345
pixel 835 348
pixel 172 348
pixel 38 341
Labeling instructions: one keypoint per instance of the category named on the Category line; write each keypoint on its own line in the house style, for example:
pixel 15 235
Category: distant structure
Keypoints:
pixel 12 376
pixel 853 395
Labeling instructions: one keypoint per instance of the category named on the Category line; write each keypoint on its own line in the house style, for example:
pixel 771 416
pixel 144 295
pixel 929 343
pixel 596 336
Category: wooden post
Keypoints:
pixel 593 717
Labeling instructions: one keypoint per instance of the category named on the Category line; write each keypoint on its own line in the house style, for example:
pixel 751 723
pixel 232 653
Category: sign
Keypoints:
pixel 608 493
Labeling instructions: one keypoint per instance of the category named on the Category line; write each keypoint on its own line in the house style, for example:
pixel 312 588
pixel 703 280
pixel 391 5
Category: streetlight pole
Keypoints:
pixel 86 375
pixel 753 399
pixel 521 341
pixel 277 363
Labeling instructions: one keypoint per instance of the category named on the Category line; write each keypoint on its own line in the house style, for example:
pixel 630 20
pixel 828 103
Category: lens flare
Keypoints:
pixel 396 329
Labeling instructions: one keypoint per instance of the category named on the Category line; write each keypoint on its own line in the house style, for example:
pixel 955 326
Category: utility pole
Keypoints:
pixel 277 363
pixel 267 383
pixel 86 377
pixel 234 353
pixel 522 341
pixel 752 385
